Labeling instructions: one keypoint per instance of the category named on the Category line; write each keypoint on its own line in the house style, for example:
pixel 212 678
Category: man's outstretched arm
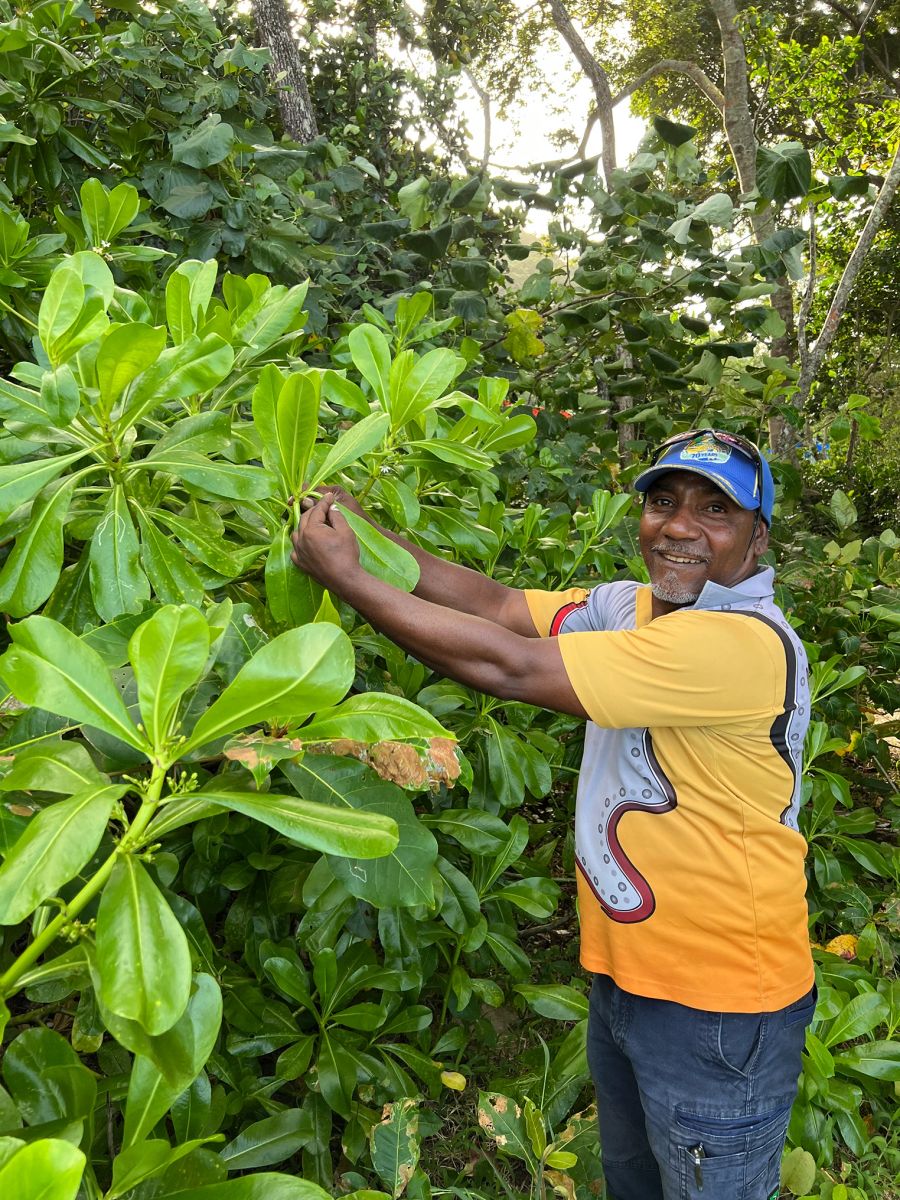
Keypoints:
pixel 462 646
pixel 451 585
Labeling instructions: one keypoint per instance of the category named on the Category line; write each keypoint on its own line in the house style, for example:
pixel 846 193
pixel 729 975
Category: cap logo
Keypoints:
pixel 705 449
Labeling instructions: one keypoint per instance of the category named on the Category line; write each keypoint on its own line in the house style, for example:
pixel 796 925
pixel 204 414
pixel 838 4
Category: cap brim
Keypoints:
pixel 739 495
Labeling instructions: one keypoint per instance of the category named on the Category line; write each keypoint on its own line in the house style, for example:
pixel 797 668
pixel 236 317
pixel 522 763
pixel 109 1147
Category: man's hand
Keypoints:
pixel 338 495
pixel 325 546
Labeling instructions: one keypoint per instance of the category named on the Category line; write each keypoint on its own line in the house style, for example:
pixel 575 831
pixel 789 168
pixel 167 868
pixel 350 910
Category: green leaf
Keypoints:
pixel 168 654
pixel 46 1079
pixel 60 396
pixel 293 596
pixel 843 509
pixel 394 1144
pixel 208 144
pixel 875 1060
pixel 197 365
pixel 105 213
pixel 237 482
pixel 351 446
pixel 783 172
pixel 118 582
pixel 31 572
pixel 296 425
pixel 171 576
pixel 21 481
pixel 671 132
pixel 48 667
pixel 268 1186
pixel 297 673
pixel 500 1118
pixel 324 827
pixel 844 186
pixel 48 1169
pixel 185 1048
pixel 145 1160
pixel 372 717
pixel 142 953
pixel 63 767
pixel 371 356
pixel 56 844
pixel 430 377
pixel 402 878
pixel 555 1000
pixel 189 290
pixel 380 556
pixel 269 1141
pixel 124 353
pixel 858 1017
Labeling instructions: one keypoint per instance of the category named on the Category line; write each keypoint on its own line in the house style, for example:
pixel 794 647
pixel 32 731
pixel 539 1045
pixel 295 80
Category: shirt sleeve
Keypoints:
pixel 682 669
pixel 549 609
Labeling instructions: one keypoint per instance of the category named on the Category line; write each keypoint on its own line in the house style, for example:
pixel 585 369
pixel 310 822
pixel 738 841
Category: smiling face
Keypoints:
pixel 691 533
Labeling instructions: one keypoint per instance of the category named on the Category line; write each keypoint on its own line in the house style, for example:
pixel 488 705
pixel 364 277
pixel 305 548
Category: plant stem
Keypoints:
pixel 129 843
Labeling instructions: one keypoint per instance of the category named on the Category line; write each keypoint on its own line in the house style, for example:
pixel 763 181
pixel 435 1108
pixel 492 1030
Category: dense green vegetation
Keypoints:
pixel 283 914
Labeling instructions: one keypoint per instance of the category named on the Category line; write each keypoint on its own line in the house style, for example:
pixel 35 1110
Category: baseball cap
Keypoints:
pixel 732 463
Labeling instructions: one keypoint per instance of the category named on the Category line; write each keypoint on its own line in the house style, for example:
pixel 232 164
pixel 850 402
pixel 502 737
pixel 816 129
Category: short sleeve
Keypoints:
pixel 549 609
pixel 679 670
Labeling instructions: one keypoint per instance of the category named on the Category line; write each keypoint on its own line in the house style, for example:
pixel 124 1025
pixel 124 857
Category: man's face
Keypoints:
pixel 691 532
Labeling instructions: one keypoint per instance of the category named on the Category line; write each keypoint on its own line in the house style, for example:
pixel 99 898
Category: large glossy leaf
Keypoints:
pixel 501 1118
pixel 118 582
pixel 64 767
pixel 49 1169
pixel 30 573
pixel 861 1015
pixel 197 365
pixel 372 358
pixel 296 424
pixel 142 953
pixel 432 374
pixel 324 827
pixel 372 717
pixel 269 1141
pixel 21 481
pixel 297 673
pixel 48 667
pixel 171 576
pixel 876 1060
pixel 558 1001
pixel 124 353
pixel 168 654
pixel 46 1078
pixel 293 596
pixel 145 1161
pixel 380 556
pixel 783 171
pixel 219 478
pixel 394 1144
pixel 56 844
pixel 189 290
pixel 182 1050
pixel 350 446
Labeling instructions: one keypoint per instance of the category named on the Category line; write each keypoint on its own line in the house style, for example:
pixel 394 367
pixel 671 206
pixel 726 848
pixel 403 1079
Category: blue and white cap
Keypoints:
pixel 725 464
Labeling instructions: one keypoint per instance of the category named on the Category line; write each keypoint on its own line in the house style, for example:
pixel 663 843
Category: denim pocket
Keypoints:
pixel 802 1009
pixel 729 1158
pixel 735 1040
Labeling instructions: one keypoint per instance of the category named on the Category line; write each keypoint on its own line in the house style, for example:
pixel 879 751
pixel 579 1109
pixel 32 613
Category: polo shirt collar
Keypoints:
pixel 760 586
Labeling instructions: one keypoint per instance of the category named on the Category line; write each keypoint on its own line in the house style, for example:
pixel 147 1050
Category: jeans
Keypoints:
pixel 693 1105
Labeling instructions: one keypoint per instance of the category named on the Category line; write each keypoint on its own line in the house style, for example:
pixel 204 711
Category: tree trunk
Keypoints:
pixel 598 78
pixel 273 29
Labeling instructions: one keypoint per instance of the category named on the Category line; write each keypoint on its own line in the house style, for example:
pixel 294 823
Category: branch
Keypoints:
pixel 485 99
pixel 675 66
pixel 598 78
pixel 819 349
pixel 806 305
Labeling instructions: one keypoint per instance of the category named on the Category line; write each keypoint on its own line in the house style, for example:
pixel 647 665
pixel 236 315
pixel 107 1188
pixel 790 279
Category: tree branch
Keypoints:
pixel 598 78
pixel 819 349
pixel 675 66
pixel 485 99
pixel 806 305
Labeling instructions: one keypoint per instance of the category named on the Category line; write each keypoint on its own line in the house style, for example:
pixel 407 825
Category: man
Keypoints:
pixel 690 864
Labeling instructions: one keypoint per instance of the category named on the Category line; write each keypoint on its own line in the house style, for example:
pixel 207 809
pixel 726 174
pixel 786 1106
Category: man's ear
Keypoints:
pixel 760 543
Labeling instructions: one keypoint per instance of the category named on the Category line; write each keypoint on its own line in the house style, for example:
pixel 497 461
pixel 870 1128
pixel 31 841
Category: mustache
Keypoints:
pixel 684 551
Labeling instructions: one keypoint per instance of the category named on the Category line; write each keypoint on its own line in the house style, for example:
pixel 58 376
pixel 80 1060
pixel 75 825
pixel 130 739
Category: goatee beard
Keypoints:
pixel 670 592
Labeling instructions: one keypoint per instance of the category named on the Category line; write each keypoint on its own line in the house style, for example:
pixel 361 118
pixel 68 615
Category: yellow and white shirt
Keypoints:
pixel 690 863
